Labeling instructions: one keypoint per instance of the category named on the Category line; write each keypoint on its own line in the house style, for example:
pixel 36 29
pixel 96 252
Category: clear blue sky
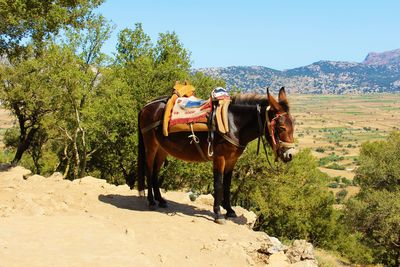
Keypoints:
pixel 277 34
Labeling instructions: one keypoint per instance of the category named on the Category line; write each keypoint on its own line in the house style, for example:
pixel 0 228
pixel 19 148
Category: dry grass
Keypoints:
pixel 329 259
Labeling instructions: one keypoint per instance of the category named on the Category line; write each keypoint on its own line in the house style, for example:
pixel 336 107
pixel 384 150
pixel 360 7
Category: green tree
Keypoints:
pixel 25 23
pixel 80 79
pixel 135 64
pixel 375 211
pixel 172 62
pixel 27 89
pixel 116 110
pixel 27 28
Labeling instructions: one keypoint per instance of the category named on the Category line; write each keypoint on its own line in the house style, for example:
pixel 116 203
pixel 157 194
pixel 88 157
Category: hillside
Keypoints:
pixel 87 222
pixel 379 72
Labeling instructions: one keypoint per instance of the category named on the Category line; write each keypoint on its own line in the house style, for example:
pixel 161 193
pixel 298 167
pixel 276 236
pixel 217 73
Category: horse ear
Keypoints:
pixel 283 102
pixel 282 95
pixel 272 102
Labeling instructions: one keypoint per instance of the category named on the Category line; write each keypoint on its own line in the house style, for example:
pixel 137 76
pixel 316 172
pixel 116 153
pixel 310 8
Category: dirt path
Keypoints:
pixel 87 222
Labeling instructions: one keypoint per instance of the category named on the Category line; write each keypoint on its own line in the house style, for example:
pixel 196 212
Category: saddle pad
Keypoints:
pixel 197 127
pixel 189 110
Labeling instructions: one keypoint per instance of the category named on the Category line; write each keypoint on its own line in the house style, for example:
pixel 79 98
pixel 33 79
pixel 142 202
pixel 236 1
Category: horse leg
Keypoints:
pixel 159 160
pixel 218 169
pixel 150 156
pixel 226 203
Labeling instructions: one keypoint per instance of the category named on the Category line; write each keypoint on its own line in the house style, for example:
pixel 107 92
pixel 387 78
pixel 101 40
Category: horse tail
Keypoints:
pixel 141 167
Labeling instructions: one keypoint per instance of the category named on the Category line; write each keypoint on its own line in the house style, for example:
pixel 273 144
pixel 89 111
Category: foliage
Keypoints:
pixel 335 166
pixel 25 23
pixel 375 211
pixel 30 90
pixel 194 176
pixel 331 158
pixel 340 195
pixel 291 204
pixel 380 165
pixel 28 30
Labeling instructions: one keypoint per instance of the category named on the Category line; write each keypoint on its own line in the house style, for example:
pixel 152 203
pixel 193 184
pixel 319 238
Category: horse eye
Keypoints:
pixel 282 128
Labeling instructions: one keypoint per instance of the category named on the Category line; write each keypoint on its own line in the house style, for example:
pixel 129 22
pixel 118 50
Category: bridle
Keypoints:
pixel 271 126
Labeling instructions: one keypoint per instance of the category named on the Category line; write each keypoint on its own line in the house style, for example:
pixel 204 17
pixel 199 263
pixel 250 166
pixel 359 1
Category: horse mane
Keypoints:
pixel 249 99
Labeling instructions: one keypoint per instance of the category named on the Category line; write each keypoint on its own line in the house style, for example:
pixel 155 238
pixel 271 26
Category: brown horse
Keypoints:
pixel 250 116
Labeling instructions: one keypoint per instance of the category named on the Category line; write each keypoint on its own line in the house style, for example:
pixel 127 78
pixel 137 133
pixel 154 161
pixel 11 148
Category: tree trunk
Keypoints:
pixel 24 143
pixel 82 171
pixel 76 154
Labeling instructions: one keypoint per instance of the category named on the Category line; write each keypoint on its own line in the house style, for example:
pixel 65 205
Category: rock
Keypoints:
pixel 249 216
pixel 278 260
pixel 271 245
pixel 35 177
pixel 276 245
pixel 89 180
pixel 301 250
pixel 56 176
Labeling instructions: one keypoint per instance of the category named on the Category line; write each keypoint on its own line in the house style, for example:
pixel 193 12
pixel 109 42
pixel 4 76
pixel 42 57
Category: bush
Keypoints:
pixel 291 204
pixel 331 158
pixel 340 195
pixel 335 166
pixel 346 181
pixel 333 185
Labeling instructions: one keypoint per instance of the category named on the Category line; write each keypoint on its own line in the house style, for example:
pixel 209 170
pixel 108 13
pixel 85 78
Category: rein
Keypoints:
pixel 263 139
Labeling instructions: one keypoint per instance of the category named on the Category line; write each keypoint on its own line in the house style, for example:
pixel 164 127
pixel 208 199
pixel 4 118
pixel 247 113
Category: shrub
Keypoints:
pixel 374 212
pixel 340 195
pixel 335 166
pixel 333 185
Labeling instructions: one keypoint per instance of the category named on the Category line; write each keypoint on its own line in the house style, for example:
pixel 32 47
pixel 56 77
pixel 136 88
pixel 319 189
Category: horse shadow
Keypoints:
pixel 174 208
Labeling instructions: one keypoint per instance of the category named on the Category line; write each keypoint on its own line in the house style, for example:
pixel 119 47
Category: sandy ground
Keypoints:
pixel 87 222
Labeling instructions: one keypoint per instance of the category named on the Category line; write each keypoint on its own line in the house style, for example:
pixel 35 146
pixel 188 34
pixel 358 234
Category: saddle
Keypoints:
pixel 189 113
pixel 186 113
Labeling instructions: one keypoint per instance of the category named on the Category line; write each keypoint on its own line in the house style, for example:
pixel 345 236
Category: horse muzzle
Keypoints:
pixel 289 154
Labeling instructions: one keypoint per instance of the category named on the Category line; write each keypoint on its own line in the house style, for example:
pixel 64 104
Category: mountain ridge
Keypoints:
pixel 379 72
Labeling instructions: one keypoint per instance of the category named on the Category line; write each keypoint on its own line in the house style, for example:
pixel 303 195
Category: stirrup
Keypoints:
pixel 210 151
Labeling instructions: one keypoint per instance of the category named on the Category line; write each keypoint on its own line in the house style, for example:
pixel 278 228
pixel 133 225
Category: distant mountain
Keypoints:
pixel 385 58
pixel 379 72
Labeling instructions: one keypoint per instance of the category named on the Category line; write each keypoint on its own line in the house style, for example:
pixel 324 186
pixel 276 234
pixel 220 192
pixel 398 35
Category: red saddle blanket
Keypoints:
pixel 190 110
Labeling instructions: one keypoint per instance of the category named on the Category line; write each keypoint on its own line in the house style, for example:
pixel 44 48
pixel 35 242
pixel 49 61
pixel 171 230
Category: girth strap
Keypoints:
pixel 150 126
pixel 200 151
pixel 232 141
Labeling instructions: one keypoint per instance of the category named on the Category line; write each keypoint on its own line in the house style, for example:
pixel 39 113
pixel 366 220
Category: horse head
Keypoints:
pixel 280 126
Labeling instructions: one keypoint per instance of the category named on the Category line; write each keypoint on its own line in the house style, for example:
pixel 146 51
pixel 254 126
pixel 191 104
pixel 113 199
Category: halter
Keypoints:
pixel 271 125
pixel 271 130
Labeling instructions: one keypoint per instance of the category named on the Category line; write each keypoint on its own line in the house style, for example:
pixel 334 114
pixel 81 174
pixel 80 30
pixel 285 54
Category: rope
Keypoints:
pixel 264 141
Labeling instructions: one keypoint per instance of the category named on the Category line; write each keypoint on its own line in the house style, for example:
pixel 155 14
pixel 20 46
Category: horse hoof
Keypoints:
pixel 231 214
pixel 152 207
pixel 220 221
pixel 163 205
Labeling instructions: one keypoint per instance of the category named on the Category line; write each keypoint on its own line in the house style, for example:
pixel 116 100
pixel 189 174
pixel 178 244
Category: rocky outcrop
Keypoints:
pixel 385 58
